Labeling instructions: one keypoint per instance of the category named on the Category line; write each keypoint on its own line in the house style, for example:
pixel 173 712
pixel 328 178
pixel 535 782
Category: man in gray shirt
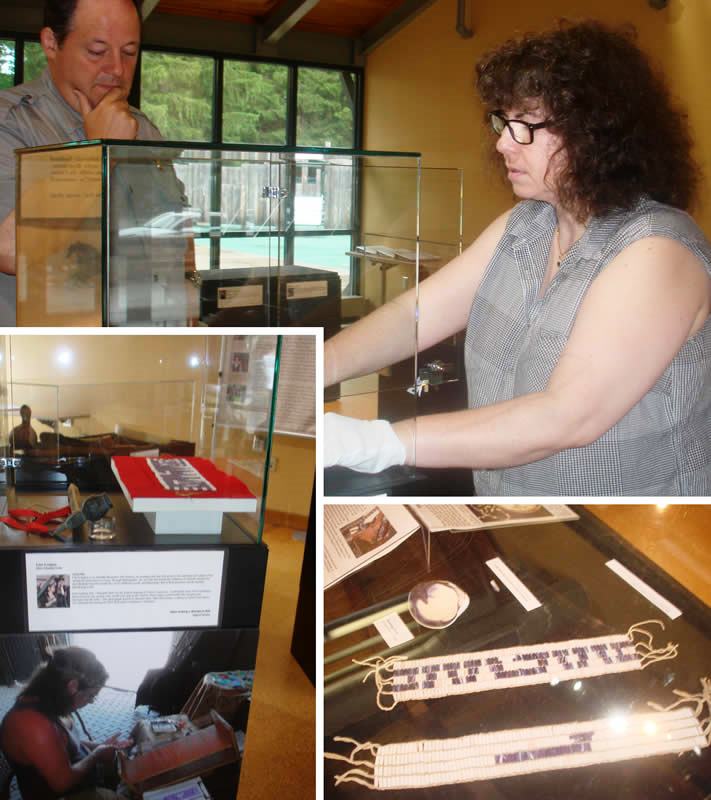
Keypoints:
pixel 92 50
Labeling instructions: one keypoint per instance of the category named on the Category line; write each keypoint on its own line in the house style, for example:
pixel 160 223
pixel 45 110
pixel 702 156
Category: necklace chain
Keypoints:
pixel 561 254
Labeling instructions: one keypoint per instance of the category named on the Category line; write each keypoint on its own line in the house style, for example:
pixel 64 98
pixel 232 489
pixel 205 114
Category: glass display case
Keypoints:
pixel 379 620
pixel 431 380
pixel 136 233
pixel 73 431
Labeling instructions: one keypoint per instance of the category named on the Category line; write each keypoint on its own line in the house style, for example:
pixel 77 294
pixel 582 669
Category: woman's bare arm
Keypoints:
pixel 30 738
pixel 387 335
pixel 636 316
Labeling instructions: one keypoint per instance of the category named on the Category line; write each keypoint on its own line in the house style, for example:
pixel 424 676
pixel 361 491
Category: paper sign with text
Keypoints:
pixel 124 590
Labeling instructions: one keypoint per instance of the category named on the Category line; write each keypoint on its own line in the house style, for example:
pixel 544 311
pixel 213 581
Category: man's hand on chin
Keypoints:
pixel 111 118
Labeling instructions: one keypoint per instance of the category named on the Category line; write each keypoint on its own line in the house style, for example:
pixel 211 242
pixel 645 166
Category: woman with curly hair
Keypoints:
pixel 586 306
pixel 48 757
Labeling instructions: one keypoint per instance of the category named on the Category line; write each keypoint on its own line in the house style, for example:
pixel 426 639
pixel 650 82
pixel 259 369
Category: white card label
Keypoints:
pixel 644 589
pixel 513 584
pixel 304 289
pixel 240 296
pixel 393 630
pixel 123 590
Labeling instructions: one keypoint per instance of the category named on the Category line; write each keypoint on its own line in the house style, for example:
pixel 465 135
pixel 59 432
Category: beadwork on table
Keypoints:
pixel 484 756
pixel 398 679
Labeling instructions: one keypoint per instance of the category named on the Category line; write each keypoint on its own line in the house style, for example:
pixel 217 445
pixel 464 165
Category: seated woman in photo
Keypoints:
pixel 47 756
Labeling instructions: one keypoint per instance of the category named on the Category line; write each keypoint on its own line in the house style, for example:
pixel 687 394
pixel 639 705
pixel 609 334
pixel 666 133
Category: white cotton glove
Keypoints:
pixel 362 445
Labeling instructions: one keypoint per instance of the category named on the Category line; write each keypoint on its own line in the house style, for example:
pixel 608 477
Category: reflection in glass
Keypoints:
pixel 239 414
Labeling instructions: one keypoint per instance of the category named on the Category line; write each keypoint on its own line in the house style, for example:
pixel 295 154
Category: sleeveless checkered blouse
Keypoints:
pixel 662 446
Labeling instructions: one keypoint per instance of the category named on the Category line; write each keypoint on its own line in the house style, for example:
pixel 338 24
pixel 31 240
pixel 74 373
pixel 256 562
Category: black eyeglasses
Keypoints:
pixel 521 132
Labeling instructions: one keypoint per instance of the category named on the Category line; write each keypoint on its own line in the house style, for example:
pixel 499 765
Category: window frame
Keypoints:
pixel 19 39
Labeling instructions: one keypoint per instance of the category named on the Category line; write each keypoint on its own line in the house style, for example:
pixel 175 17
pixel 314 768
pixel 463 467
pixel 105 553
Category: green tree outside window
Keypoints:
pixel 35 60
pixel 254 103
pixel 7 63
pixel 177 94
pixel 325 108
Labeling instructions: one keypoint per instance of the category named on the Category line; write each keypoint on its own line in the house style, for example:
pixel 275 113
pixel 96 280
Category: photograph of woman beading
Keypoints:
pixel 369 531
pixel 586 305
pixel 100 716
pixel 48 754
pixel 53 591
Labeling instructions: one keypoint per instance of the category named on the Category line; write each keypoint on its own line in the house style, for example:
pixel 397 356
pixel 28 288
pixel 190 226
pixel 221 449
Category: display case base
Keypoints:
pixel 184 522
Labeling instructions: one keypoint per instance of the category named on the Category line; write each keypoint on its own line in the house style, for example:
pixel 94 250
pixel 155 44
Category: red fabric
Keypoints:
pixel 140 480
pixel 27 519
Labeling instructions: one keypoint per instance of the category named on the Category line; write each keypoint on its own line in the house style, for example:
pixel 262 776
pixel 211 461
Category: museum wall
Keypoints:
pixel 135 397
pixel 105 358
pixel 419 85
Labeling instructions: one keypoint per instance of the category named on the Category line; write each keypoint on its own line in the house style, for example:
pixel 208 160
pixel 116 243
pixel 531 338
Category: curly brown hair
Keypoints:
pixel 622 134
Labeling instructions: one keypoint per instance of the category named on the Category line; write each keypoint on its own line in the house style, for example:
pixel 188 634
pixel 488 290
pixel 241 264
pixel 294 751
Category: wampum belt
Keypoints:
pixel 683 726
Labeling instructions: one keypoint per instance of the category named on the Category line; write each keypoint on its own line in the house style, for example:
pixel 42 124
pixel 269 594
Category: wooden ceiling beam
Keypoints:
pixel 148 7
pixel 391 24
pixel 283 19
